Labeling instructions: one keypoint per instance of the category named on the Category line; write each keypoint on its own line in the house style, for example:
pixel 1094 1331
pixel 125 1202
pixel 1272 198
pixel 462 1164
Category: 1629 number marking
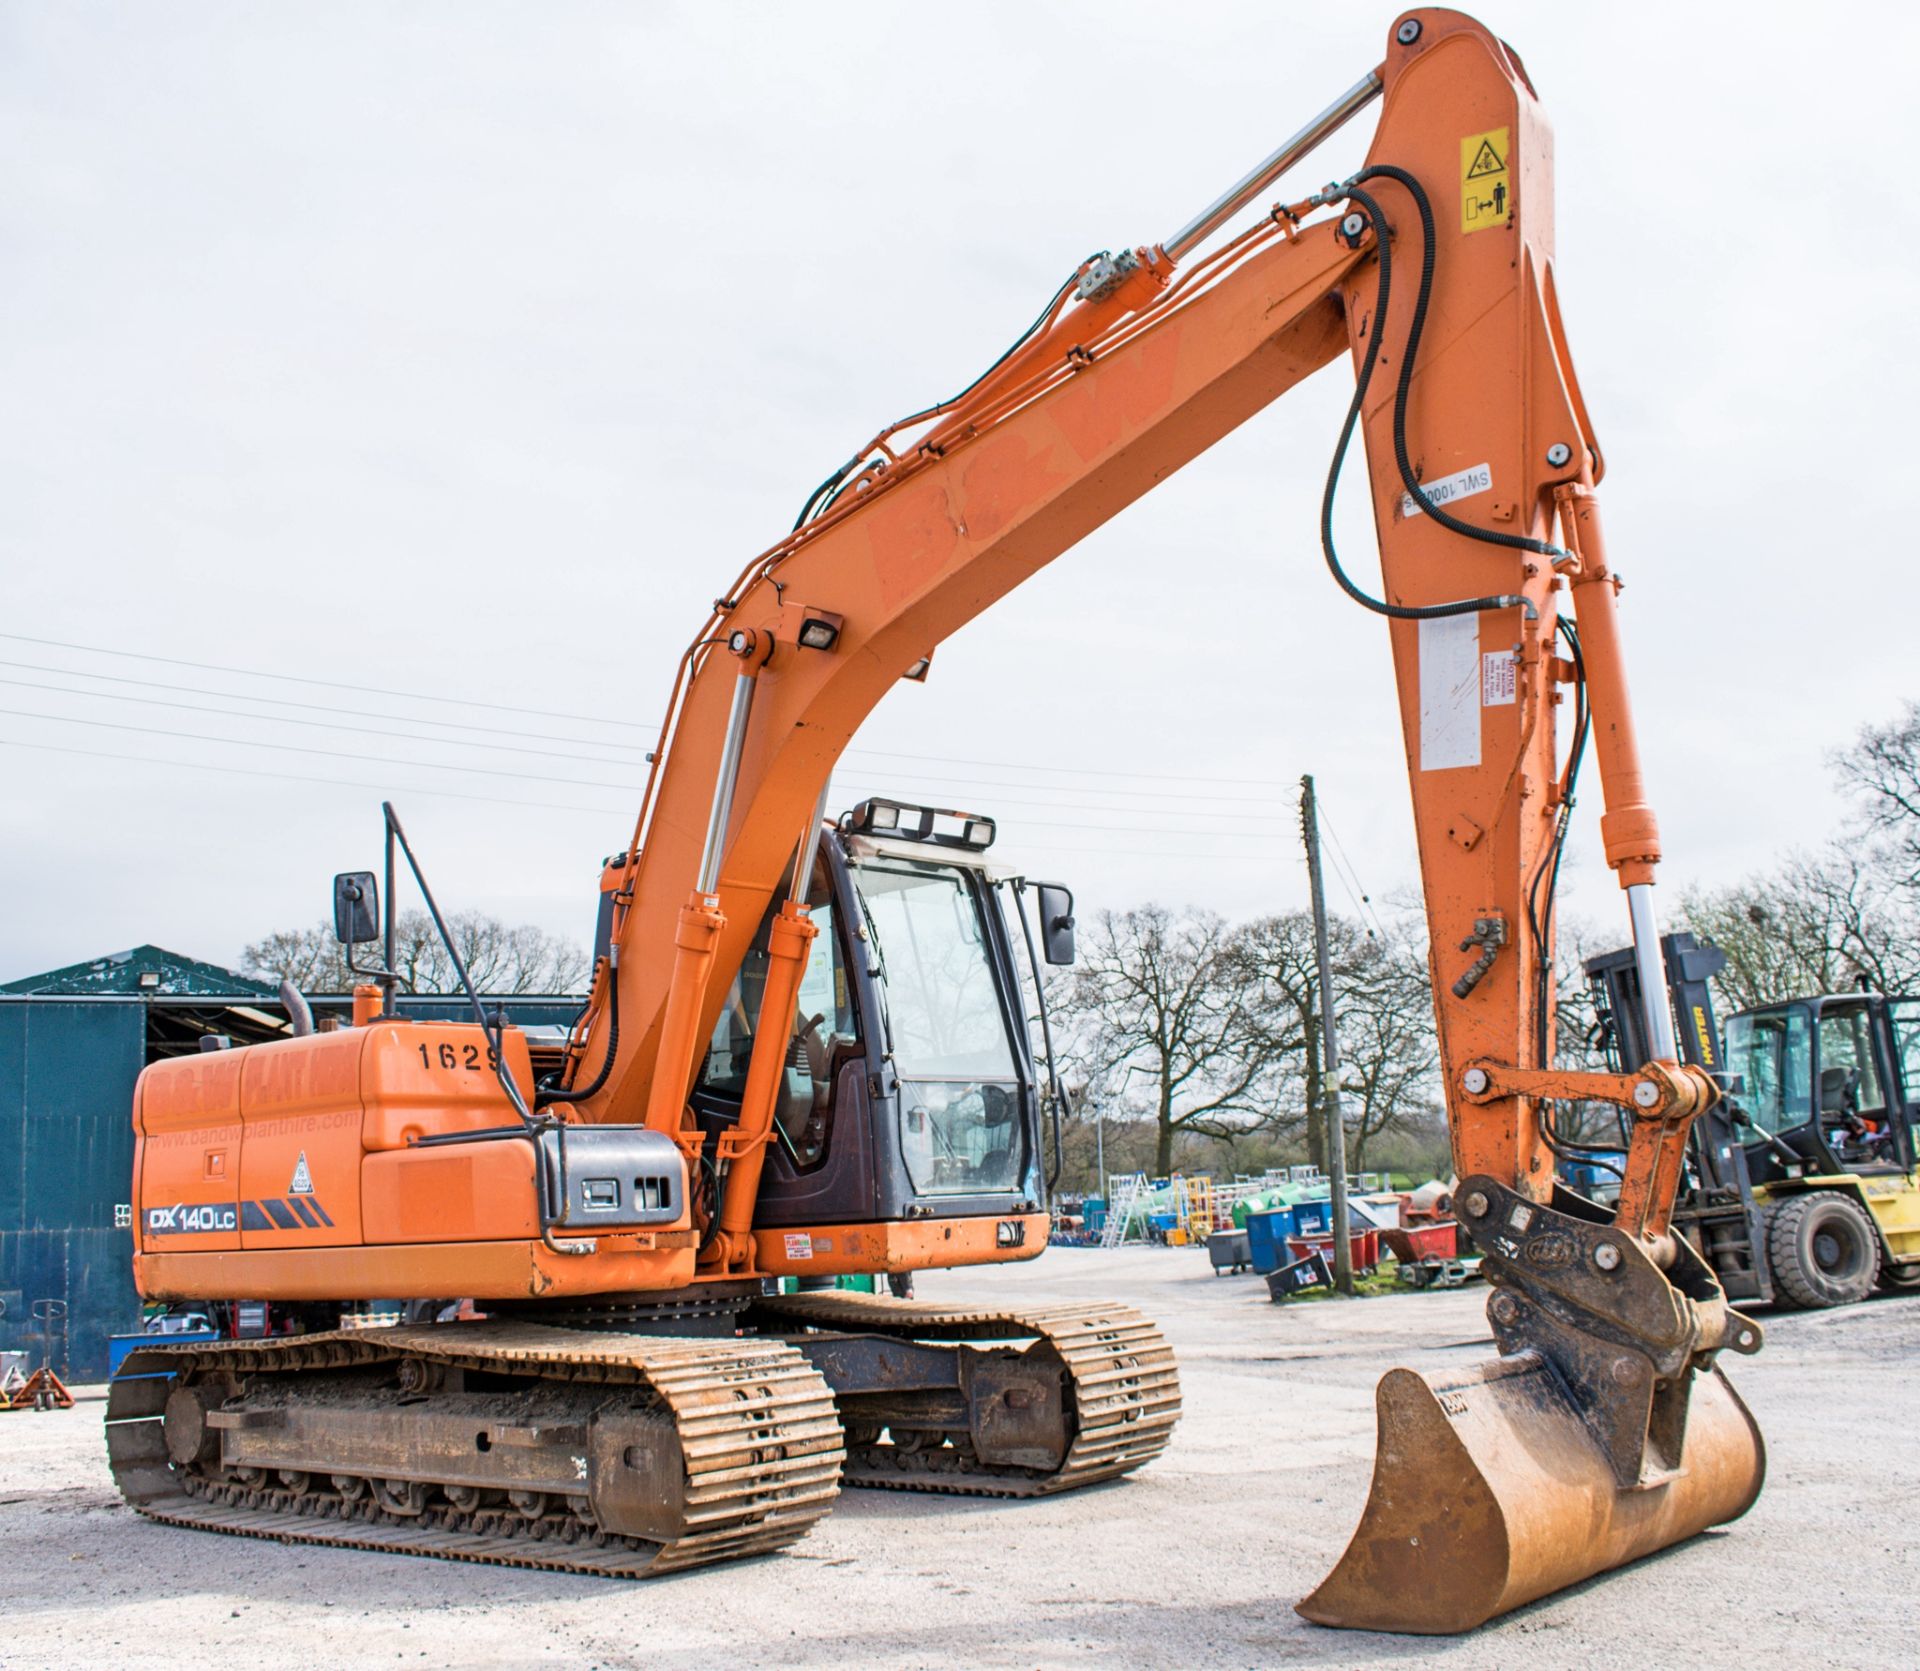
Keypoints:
pixel 465 1056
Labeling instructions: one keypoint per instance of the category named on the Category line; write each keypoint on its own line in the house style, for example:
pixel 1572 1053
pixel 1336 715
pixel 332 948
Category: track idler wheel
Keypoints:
pixel 1489 1491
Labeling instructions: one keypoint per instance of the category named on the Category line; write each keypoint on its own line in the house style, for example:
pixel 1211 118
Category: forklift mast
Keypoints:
pixel 1716 1207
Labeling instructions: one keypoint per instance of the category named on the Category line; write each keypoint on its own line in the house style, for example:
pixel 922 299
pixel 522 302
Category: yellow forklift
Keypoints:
pixel 1802 1186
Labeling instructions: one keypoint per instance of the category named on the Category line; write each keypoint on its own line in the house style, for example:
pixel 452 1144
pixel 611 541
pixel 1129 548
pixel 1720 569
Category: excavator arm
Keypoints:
pixel 1603 1430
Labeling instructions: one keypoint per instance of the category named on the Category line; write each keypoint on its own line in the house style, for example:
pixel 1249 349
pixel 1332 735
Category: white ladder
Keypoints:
pixel 1120 1209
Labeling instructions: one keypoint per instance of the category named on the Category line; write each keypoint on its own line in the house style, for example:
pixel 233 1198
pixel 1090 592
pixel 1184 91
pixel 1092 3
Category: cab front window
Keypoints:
pixel 960 1125
pixel 1772 1051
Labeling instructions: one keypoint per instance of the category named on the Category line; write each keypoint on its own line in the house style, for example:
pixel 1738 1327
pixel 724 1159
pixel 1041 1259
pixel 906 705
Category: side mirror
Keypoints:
pixel 1056 922
pixel 356 908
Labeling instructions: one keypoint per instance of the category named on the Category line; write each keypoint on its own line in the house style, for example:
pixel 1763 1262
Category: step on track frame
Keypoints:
pixel 759 1437
pixel 1123 1387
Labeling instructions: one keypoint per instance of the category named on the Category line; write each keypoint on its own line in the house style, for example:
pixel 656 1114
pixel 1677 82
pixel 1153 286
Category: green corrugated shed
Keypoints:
pixel 143 972
pixel 72 1042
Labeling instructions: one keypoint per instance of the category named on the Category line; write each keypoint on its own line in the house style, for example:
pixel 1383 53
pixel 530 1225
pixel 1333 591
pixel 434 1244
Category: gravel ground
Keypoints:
pixel 1194 1562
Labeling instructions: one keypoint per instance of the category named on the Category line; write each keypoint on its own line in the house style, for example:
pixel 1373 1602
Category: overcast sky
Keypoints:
pixel 465 351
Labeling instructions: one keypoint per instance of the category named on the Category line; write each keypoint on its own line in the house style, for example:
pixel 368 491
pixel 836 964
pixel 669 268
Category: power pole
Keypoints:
pixel 1334 1121
pixel 1100 1144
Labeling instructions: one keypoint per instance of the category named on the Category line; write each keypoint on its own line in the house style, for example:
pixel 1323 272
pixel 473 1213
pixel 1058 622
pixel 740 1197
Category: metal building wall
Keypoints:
pixel 67 1070
pixel 66 1161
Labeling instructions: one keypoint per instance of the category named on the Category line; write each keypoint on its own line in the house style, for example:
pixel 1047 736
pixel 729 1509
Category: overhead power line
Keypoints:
pixel 1082 771
pixel 1140 803
pixel 311 724
pixel 295 777
pixel 1233 781
pixel 307 707
pixel 329 684
pixel 533 777
pixel 390 788
pixel 297 748
pixel 1361 896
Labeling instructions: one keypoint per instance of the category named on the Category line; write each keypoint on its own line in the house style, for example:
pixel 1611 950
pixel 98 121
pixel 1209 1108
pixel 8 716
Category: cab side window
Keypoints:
pixel 822 1032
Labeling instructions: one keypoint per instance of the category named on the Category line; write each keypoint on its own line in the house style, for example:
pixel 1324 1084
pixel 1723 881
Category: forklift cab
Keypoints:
pixel 1825 1085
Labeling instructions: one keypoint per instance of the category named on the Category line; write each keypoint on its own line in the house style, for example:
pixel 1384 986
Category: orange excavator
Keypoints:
pixel 805 1050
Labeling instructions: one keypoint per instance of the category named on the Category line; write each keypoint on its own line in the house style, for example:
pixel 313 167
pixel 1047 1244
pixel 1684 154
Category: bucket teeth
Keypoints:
pixel 1489 1491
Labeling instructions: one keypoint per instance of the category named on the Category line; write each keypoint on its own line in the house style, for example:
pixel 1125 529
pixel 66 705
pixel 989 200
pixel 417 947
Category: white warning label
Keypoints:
pixel 1449 675
pixel 302 1179
pixel 799 1246
pixel 1497 687
pixel 1462 484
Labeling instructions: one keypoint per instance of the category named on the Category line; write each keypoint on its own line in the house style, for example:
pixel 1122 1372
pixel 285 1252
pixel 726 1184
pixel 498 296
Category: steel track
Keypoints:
pixel 1123 1387
pixel 757 1425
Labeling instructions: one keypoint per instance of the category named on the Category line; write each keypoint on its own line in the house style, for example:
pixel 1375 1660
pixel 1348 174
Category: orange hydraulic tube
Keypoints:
pixel 1627 828
pixel 789 940
pixel 694 941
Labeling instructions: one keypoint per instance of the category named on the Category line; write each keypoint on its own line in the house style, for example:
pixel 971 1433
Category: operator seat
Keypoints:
pixel 1839 1091
pixel 1840 1101
pixel 1856 1139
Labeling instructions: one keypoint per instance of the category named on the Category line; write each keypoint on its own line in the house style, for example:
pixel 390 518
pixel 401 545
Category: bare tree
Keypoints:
pixel 1820 923
pixel 1158 1012
pixel 1882 768
pixel 1276 960
pixel 504 959
pixel 1384 1001
pixel 1389 1051
pixel 309 957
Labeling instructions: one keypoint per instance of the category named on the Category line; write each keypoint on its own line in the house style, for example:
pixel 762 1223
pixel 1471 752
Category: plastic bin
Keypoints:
pixel 1310 1272
pixel 1423 1241
pixel 1229 1250
pixel 1312 1218
pixel 1267 1235
pixel 1365 1245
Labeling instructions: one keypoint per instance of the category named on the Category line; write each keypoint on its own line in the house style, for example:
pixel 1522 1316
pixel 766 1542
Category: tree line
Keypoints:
pixel 1198 1029
pixel 505 959
pixel 1844 913
pixel 1197 1042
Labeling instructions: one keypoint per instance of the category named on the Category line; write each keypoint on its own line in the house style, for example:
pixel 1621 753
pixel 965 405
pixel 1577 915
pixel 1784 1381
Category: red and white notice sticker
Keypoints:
pixel 799 1246
pixel 1496 679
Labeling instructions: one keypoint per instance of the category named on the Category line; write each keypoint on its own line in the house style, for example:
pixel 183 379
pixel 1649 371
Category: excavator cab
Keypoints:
pixel 911 1089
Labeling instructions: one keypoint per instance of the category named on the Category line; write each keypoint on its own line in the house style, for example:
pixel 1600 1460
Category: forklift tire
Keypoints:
pixel 1823 1249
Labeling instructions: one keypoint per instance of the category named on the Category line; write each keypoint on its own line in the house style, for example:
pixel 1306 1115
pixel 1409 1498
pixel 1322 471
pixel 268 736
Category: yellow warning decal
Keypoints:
pixel 1486 183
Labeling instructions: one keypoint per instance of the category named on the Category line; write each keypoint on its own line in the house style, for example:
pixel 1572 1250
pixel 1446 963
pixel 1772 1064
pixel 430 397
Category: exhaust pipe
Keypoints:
pixel 299 1013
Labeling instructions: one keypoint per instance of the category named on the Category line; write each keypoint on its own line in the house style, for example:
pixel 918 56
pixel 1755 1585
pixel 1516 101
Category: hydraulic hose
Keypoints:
pixel 582 1092
pixel 1384 291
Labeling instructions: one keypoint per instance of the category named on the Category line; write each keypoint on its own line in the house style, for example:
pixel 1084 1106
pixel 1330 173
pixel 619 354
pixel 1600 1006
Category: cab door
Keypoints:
pixel 1858 1115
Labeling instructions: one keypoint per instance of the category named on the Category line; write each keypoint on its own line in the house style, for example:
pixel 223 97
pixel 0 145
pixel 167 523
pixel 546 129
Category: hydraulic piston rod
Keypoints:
pixel 1653 977
pixel 1230 202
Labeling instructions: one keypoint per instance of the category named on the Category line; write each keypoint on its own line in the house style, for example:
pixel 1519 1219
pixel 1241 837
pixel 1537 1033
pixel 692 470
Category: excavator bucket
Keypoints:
pixel 1490 1492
